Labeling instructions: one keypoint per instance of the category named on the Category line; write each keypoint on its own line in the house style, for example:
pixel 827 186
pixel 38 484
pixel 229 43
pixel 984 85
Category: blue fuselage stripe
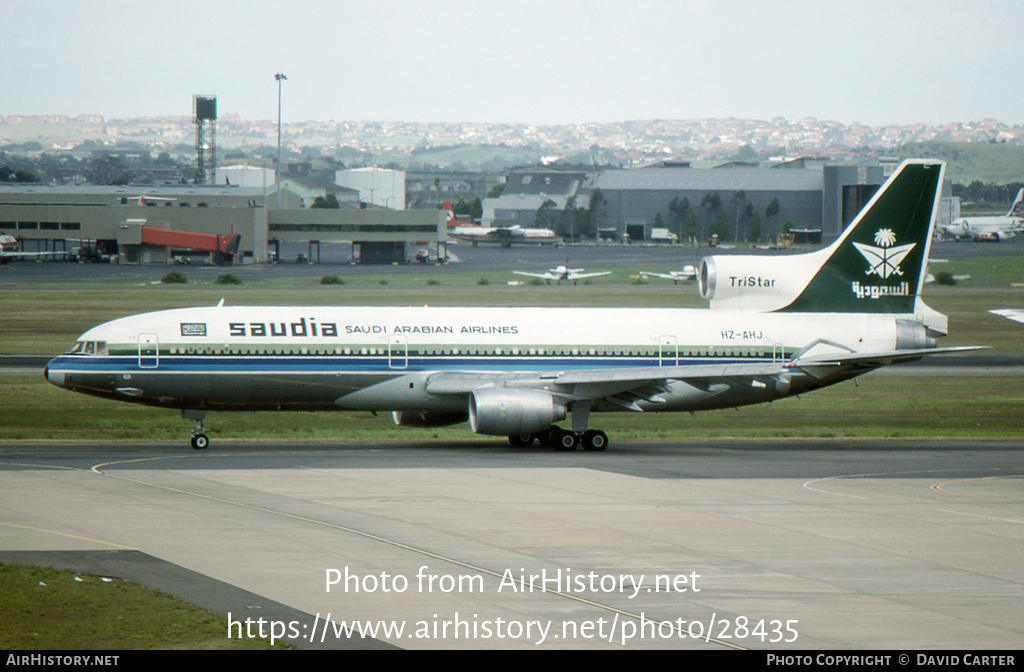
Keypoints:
pixel 370 364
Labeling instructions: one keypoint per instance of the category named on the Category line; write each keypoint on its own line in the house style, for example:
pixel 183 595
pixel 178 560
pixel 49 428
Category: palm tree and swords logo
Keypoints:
pixel 885 259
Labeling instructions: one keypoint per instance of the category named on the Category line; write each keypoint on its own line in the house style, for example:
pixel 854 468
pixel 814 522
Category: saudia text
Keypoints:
pixel 310 328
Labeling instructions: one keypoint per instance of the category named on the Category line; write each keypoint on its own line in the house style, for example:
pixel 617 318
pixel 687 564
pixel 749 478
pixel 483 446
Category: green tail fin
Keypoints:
pixel 878 264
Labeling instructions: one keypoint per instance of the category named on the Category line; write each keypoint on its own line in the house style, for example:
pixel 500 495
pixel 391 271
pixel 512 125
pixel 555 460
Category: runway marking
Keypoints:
pixel 806 484
pixel 65 534
pixel 978 515
pixel 368 535
pixel 938 487
pixel 41 466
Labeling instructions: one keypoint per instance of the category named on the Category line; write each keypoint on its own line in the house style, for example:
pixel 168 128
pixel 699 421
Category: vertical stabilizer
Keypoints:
pixel 878 264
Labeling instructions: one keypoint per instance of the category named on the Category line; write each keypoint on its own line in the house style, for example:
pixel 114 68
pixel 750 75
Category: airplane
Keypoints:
pixel 505 235
pixel 452 219
pixel 993 229
pixel 689 272
pixel 559 273
pixel 8 250
pixel 1015 314
pixel 776 327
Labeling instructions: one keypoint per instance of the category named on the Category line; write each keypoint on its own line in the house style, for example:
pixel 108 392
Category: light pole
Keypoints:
pixel 277 175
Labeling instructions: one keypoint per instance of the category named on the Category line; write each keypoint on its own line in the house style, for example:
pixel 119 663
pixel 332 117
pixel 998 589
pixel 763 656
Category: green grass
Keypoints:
pixel 91 614
pixel 957 406
pixel 969 161
pixel 45 320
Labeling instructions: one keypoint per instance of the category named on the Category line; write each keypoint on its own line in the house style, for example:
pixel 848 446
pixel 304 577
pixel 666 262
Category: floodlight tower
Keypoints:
pixel 277 173
pixel 204 115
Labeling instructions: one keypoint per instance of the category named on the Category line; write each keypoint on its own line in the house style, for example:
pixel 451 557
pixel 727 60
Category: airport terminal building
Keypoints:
pixel 120 222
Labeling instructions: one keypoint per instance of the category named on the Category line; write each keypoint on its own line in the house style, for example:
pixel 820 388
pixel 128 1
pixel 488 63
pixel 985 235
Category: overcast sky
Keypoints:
pixel 543 62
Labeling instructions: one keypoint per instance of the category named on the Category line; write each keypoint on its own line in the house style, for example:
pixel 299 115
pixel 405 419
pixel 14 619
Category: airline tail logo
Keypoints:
pixel 883 261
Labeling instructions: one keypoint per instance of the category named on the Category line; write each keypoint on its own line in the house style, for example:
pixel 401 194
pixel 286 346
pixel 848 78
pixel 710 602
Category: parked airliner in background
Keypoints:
pixel 777 326
pixel 504 235
pixel 989 228
pixel 559 273
pixel 689 272
pixel 9 247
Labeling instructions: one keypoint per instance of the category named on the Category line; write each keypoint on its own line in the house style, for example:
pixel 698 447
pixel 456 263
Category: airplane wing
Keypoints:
pixel 1015 314
pixel 577 276
pixel 626 386
pixel 622 387
pixel 542 276
pixel 29 255
pixel 674 275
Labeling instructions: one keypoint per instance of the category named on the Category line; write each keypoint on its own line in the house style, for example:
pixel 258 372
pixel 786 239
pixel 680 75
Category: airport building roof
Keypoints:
pixel 80 194
pixel 689 179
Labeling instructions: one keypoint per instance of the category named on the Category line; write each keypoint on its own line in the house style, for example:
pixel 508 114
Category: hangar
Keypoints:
pixel 107 218
pixel 811 195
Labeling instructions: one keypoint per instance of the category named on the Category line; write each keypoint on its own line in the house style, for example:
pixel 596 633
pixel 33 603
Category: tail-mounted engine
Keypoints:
pixel 748 282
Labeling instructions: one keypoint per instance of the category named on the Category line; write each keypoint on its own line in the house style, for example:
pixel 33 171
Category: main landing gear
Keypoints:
pixel 563 440
pixel 199 438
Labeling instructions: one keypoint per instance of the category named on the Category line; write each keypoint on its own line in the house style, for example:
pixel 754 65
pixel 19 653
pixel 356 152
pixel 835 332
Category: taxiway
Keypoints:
pixel 844 544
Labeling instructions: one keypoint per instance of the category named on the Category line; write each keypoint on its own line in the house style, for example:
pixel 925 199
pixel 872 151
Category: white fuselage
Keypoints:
pixel 248 357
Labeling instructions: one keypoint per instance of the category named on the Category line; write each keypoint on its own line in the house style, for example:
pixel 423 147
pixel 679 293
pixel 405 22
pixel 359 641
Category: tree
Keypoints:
pixel 679 212
pixel 568 218
pixel 711 203
pixel 754 228
pixel 546 215
pixel 770 212
pixel 583 222
pixel 722 226
pixel 329 203
pixel 738 199
pixel 691 225
pixel 596 209
pixel 473 209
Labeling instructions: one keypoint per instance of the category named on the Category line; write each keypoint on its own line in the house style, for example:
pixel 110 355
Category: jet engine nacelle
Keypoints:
pixel 748 282
pixel 428 418
pixel 508 411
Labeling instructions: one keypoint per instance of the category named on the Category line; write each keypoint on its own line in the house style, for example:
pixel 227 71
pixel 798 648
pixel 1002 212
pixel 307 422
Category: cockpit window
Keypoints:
pixel 89 348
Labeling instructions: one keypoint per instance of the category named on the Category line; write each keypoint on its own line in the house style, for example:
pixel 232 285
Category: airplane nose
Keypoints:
pixel 55 377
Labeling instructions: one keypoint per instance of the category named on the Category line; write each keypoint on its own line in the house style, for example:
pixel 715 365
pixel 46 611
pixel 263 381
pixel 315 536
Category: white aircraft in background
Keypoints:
pixel 8 250
pixel 1015 314
pixel 560 273
pixel 689 272
pixel 989 228
pixel 506 236
pixel 776 327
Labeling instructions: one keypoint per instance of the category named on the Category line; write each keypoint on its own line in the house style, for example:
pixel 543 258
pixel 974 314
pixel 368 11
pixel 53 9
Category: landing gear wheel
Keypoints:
pixel 594 440
pixel 565 441
pixel 521 440
pixel 200 441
